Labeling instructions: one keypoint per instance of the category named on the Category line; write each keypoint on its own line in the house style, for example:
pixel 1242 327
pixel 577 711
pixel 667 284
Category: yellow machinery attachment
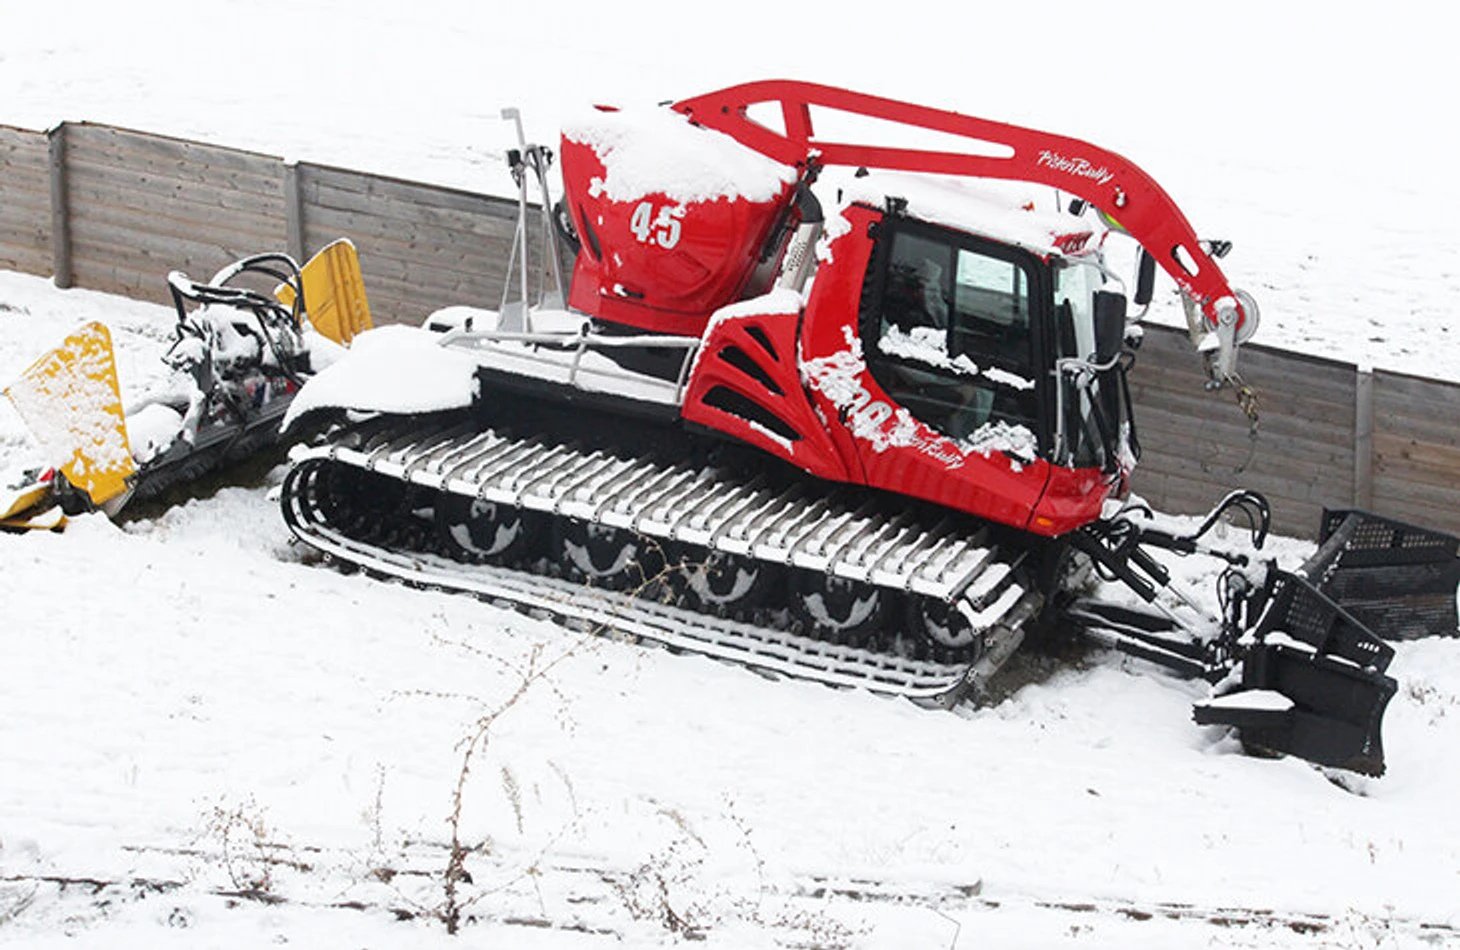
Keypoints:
pixel 28 505
pixel 70 401
pixel 334 293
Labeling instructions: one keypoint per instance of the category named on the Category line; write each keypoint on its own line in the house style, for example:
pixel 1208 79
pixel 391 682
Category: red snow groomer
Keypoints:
pixel 849 412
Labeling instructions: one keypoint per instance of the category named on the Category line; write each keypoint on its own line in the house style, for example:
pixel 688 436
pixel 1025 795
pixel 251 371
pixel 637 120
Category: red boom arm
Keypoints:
pixel 1111 183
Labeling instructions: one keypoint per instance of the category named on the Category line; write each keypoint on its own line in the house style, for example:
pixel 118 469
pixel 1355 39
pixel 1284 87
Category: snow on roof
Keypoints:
pixel 657 151
pixel 1028 216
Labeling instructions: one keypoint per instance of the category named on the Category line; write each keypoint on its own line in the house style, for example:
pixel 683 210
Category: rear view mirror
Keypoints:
pixel 1109 325
pixel 1145 279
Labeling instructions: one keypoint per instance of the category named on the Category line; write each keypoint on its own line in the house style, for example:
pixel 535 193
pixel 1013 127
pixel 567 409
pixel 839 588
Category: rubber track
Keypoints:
pixel 678 503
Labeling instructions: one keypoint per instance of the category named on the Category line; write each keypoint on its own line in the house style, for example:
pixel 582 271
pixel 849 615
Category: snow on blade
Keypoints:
pixel 1263 699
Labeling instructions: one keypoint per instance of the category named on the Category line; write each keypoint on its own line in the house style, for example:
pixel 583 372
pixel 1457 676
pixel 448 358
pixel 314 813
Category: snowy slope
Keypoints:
pixel 207 738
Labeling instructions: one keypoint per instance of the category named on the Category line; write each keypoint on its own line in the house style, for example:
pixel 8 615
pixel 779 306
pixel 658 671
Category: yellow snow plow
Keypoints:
pixel 238 357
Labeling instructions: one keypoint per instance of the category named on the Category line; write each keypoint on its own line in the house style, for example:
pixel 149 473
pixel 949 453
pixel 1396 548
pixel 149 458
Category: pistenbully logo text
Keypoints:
pixel 1079 167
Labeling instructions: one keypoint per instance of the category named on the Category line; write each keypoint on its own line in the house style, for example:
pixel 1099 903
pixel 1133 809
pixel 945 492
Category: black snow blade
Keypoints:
pixel 1313 683
pixel 1399 580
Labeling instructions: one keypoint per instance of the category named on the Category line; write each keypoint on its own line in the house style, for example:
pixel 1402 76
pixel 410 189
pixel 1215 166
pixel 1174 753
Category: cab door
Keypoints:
pixel 951 332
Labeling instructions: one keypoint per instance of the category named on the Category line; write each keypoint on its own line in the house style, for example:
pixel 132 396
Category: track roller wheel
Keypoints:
pixel 719 582
pixel 474 529
pixel 837 609
pixel 368 505
pixel 606 557
pixel 942 631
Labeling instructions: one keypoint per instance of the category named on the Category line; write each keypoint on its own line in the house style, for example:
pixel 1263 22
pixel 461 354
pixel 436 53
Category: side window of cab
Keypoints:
pixel 949 335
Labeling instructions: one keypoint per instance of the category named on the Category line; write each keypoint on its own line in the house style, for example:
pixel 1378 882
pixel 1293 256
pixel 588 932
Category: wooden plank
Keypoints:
pixel 18 204
pixel 25 259
pixel 1162 427
pixel 492 245
pixel 445 206
pixel 415 301
pixel 1417 423
pixel 121 281
pixel 1324 486
pixel 470 293
pixel 1273 435
pixel 24 157
pixel 384 262
pixel 121 189
pixel 328 182
pixel 1273 403
pixel 120 227
pixel 155 256
pixel 1427 463
pixel 169 217
pixel 25 202
pixel 393 216
pixel 390 261
pixel 1294 399
pixel 17 140
pixel 108 145
pixel 1420 409
pixel 201 181
pixel 1439 499
pixel 1253 356
pixel 1426 395
pixel 252 235
pixel 1162 374
pixel 480 249
pixel 422 224
pixel 1233 463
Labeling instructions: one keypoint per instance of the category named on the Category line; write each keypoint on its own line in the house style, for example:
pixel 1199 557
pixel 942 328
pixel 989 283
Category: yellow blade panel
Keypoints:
pixel 70 401
pixel 334 293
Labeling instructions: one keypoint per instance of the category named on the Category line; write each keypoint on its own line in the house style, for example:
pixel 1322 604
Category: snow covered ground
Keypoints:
pixel 207 738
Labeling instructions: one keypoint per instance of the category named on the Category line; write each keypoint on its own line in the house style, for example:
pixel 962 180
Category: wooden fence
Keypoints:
pixel 25 202
pixel 114 210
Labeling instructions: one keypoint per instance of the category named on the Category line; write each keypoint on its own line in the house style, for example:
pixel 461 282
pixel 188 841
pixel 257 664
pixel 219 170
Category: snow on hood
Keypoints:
pixel 657 151
pixel 390 369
